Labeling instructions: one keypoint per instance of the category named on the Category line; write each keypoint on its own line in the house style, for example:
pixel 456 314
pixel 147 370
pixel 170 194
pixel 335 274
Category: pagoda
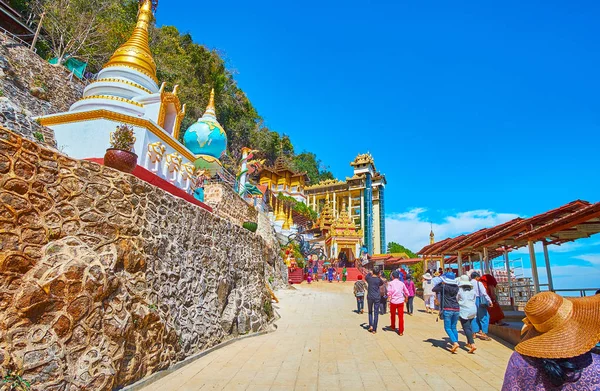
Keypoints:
pixel 280 178
pixel 363 194
pixel 343 237
pixel 126 91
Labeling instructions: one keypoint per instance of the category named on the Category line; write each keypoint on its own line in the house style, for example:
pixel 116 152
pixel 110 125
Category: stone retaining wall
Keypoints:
pixel 228 204
pixel 105 279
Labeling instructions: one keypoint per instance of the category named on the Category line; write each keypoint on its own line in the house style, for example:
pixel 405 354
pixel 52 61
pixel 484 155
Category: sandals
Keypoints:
pixel 484 337
pixel 472 349
pixel 454 348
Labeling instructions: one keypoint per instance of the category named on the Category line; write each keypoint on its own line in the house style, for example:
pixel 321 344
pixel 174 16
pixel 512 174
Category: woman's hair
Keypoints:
pixel 558 371
pixel 409 278
pixel 475 275
pixel 466 287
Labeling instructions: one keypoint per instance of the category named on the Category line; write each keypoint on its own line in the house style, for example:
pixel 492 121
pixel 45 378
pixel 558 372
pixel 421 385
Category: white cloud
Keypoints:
pixel 570 277
pixel 594 259
pixel 539 248
pixel 411 228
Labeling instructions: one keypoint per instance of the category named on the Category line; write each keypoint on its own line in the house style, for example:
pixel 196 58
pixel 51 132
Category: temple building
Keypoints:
pixel 280 178
pixel 363 193
pixel 343 240
pixel 126 91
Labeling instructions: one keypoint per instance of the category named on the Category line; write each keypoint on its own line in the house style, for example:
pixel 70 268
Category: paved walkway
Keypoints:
pixel 320 344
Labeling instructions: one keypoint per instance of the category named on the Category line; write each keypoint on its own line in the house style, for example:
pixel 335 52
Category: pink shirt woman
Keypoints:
pixel 397 291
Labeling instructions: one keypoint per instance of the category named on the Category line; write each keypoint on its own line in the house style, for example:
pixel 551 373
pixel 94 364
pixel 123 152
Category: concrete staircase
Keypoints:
pixel 296 276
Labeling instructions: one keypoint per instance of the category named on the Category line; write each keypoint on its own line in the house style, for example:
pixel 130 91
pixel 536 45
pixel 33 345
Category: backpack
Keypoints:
pixel 359 288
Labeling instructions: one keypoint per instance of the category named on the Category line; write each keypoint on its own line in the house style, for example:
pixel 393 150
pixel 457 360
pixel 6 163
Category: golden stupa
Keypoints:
pixel 135 53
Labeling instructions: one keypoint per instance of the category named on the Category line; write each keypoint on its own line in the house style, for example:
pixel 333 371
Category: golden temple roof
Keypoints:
pixel 344 226
pixel 326 219
pixel 281 165
pixel 325 183
pixel 135 53
pixel 365 158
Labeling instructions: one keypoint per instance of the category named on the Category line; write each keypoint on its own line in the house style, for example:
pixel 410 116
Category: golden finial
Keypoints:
pixel 211 100
pixel 431 235
pixel 135 53
pixel 210 108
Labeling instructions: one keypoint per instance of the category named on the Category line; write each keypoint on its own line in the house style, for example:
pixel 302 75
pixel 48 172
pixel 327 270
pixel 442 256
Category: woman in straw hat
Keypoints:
pixel 555 352
pixel 428 295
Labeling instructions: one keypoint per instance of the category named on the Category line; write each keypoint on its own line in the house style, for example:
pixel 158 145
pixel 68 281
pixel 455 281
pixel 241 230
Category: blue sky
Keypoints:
pixel 476 112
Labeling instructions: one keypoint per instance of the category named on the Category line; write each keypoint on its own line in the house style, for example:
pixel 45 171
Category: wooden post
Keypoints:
pixel 534 272
pixel 460 267
pixel 508 277
pixel 37 32
pixel 548 268
pixel 486 261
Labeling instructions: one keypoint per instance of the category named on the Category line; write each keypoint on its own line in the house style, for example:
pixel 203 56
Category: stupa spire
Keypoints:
pixel 210 109
pixel 431 235
pixel 135 53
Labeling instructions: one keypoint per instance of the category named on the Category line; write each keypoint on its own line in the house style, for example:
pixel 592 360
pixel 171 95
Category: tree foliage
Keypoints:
pixel 394 248
pixel 314 168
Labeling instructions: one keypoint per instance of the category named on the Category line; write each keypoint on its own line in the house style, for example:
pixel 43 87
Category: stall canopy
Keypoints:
pixel 575 220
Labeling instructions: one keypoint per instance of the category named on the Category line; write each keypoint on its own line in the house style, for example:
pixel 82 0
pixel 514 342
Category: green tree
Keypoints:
pixel 86 29
pixel 394 248
pixel 309 163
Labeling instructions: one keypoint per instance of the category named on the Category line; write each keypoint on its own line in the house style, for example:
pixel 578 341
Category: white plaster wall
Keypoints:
pixel 90 139
pixel 128 74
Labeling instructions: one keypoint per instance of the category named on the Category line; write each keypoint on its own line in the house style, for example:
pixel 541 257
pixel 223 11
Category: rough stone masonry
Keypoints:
pixel 105 279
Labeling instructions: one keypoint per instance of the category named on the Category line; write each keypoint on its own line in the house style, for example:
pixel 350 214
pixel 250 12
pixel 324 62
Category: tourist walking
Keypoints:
pixel 556 351
pixel 428 295
pixel 449 308
pixel 468 309
pixel 344 274
pixel 410 286
pixel 383 294
pixel 373 298
pixel 397 293
pixel 360 287
pixel 482 321
pixel 330 274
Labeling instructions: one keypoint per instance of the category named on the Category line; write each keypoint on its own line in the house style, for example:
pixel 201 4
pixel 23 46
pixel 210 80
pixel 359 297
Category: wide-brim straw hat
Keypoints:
pixel 427 276
pixel 557 327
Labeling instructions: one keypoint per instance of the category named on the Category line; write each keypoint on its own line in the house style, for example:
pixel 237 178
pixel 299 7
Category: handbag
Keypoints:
pixel 483 301
pixel 441 313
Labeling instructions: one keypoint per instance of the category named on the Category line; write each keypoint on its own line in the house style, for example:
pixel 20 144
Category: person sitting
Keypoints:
pixel 556 351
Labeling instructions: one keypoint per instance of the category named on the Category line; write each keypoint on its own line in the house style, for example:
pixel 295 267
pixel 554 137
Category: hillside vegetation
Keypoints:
pixel 91 30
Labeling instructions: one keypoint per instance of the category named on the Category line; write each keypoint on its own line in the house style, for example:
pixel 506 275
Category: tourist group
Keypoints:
pixel 560 340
